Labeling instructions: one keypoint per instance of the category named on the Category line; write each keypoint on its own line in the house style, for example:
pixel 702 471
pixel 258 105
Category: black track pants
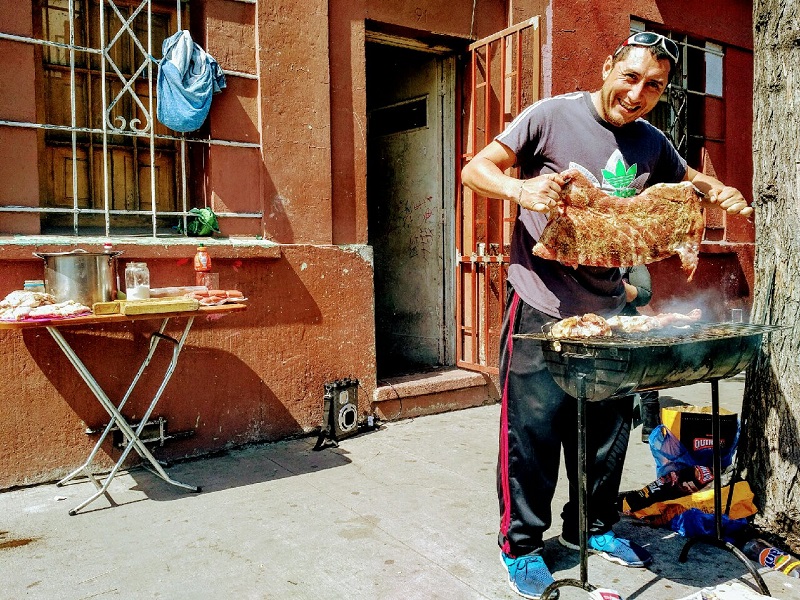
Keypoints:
pixel 537 420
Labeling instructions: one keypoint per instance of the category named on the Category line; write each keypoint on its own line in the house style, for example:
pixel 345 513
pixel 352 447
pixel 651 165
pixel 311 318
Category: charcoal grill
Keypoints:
pixel 597 368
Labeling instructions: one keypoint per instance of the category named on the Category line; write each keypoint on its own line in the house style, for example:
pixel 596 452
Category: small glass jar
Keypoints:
pixel 137 281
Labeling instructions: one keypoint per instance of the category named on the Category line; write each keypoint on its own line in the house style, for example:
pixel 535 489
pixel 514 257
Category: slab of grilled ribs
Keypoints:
pixel 593 228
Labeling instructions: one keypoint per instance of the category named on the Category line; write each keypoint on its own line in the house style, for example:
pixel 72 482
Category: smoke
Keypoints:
pixel 713 307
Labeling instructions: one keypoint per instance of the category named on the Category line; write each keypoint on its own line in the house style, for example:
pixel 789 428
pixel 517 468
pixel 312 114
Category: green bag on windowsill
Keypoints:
pixel 201 222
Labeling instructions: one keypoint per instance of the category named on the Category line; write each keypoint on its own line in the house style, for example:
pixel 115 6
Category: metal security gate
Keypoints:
pixel 500 78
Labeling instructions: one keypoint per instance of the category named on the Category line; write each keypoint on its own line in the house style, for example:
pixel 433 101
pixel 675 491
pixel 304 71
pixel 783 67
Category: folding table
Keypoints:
pixel 132 435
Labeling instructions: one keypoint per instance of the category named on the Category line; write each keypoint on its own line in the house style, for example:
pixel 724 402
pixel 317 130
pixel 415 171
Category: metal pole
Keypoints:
pixel 583 519
pixel 581 367
pixel 717 458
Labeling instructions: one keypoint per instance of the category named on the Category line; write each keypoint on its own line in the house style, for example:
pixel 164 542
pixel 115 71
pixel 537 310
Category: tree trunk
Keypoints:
pixel 771 408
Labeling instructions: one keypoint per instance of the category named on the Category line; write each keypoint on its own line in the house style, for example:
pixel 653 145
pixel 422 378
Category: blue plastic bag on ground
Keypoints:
pixel 693 427
pixel 695 522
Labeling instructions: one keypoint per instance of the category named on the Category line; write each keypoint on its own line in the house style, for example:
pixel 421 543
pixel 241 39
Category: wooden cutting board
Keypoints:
pixel 145 307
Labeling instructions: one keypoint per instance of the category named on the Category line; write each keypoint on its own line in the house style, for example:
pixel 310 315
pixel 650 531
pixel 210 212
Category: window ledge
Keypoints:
pixel 20 247
pixel 724 247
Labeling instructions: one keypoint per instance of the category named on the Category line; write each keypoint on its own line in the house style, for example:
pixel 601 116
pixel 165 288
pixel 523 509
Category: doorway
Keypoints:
pixel 410 188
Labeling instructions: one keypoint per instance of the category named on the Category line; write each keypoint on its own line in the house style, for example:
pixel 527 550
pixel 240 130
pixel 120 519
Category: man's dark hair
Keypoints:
pixel 657 51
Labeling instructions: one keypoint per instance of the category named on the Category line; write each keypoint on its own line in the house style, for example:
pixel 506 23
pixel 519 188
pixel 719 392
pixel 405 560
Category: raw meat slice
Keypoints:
pixel 634 323
pixel 593 228
pixel 679 318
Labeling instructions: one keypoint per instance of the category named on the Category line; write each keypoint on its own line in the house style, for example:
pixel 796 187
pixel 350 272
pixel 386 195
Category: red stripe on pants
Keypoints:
pixel 505 520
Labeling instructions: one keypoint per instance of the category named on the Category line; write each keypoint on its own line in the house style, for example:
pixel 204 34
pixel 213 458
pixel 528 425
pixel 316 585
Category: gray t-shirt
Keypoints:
pixel 566 132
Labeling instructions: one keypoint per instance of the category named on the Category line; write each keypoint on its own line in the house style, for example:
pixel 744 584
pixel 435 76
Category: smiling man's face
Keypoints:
pixel 631 86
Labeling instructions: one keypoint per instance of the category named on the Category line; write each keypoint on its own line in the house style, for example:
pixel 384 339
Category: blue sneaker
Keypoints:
pixel 617 550
pixel 528 575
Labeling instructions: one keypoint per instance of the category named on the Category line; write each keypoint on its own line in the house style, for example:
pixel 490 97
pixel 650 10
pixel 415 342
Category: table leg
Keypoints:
pixel 134 442
pixel 84 468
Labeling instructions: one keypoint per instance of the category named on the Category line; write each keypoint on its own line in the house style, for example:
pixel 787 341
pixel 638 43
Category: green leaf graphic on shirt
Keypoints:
pixel 620 179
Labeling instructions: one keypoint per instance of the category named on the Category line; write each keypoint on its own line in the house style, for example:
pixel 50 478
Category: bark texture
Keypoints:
pixel 771 411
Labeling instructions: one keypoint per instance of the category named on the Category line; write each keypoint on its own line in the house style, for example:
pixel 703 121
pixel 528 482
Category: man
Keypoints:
pixel 592 132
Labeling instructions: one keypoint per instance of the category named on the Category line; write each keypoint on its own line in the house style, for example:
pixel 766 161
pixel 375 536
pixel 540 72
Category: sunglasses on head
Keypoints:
pixel 648 39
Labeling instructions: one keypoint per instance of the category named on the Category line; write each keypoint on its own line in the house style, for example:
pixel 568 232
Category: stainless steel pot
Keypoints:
pixel 85 277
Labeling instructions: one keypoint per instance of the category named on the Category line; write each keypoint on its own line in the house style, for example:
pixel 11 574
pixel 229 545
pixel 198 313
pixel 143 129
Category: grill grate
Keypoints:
pixel 668 336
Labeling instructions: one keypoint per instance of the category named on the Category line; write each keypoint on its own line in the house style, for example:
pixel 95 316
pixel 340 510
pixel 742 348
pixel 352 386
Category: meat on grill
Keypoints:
pixel 642 323
pixel 679 318
pixel 588 325
pixel 591 325
pixel 593 228
pixel 634 323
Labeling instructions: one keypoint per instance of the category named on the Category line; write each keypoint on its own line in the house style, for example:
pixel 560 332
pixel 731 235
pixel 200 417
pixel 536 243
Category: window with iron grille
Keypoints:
pixel 105 164
pixel 698 81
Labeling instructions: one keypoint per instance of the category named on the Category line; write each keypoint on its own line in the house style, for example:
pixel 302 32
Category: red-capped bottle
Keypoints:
pixel 202 264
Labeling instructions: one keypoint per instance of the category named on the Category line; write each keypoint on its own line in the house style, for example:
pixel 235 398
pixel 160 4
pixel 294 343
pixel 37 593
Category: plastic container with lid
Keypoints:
pixel 137 281
pixel 34 285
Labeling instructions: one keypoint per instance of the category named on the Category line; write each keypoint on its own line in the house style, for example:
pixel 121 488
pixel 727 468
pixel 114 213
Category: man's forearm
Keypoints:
pixel 484 177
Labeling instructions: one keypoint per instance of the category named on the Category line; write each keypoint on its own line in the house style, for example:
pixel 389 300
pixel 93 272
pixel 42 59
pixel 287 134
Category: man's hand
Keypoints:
pixel 540 194
pixel 731 200
pixel 718 194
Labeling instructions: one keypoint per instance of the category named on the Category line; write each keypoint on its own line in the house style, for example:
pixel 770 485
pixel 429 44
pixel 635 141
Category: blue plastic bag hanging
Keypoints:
pixel 668 452
pixel 187 79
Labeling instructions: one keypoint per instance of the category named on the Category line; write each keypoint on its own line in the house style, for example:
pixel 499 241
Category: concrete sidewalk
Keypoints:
pixel 407 511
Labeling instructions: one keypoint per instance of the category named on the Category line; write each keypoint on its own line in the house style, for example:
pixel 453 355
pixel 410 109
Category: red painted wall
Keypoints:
pixel 259 375
pixel 253 376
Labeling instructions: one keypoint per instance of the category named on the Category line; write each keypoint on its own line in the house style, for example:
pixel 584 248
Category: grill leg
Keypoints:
pixel 583 517
pixel 718 541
